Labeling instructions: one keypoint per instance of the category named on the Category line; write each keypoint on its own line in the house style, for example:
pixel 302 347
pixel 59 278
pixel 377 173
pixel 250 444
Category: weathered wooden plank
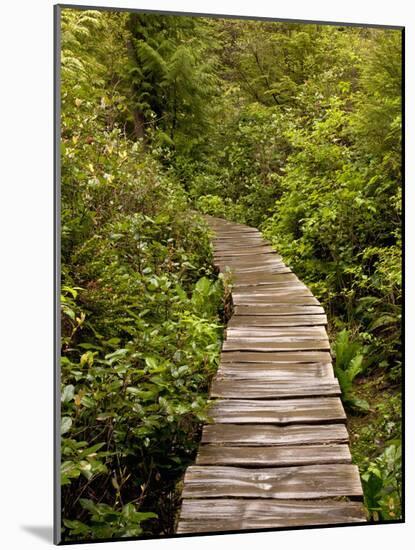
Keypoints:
pixel 277 320
pixel 244 250
pixel 278 332
pixel 295 455
pixel 275 357
pixel 276 344
pixel 276 372
pixel 235 232
pixel 270 266
pixel 295 482
pixel 300 297
pixel 252 259
pixel 225 227
pixel 256 337
pixel 238 237
pixel 268 290
pixel 278 309
pixel 274 301
pixel 241 251
pixel 257 258
pixel 264 280
pixel 286 411
pixel 239 262
pixel 266 434
pixel 237 242
pixel 220 515
pixel 231 227
pixel 268 389
pixel 230 238
pixel 267 294
pixel 258 269
pixel 236 263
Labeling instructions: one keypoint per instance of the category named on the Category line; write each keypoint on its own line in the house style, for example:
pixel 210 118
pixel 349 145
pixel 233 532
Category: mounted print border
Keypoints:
pixel 228 267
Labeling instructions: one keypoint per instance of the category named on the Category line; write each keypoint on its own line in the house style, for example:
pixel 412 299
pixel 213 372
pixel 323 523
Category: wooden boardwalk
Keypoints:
pixel 276 453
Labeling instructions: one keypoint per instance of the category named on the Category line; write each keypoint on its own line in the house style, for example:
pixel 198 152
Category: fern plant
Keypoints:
pixel 349 364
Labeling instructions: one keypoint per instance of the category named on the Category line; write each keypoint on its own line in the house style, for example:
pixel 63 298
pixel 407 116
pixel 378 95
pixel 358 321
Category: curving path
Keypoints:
pixel 276 453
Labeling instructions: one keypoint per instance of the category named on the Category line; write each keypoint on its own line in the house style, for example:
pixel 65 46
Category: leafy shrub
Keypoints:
pixel 141 342
pixel 105 522
pixel 382 484
pixel 211 204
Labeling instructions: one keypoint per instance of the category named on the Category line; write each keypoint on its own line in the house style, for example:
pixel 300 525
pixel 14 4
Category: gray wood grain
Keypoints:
pixel 295 455
pixel 276 344
pixel 266 434
pixel 262 281
pixel 286 411
pixel 258 295
pixel 268 389
pixel 275 357
pixel 278 309
pixel 296 296
pixel 273 267
pixel 242 250
pixel 251 260
pixel 277 320
pixel 234 239
pixel 277 332
pixel 275 372
pixel 300 299
pixel 221 515
pixel 294 482
pixel 267 289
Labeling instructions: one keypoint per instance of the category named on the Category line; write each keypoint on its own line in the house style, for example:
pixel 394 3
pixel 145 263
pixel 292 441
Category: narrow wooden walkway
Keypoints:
pixel 276 453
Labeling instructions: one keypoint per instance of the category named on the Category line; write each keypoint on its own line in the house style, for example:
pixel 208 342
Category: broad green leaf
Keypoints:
pixel 66 424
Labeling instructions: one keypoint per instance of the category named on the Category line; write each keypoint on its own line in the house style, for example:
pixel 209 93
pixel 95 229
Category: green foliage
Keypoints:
pixel 173 83
pixel 348 364
pixel 382 484
pixel 291 128
pixel 140 304
pixel 376 447
pixel 106 522
pixel 211 204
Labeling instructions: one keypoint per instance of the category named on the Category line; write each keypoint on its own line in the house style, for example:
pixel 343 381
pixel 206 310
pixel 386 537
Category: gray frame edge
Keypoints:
pixel 57 504
pixel 229 16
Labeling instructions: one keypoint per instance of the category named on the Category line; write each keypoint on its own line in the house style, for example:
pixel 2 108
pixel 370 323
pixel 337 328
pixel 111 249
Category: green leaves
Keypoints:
pixel 349 363
pixel 139 327
pixel 108 522
pixel 206 297
pixel 346 352
pixel 67 393
pixel 80 459
pixel 381 482
pixel 66 424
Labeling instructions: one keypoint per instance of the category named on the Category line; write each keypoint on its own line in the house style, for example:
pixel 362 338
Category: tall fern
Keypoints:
pixel 349 364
